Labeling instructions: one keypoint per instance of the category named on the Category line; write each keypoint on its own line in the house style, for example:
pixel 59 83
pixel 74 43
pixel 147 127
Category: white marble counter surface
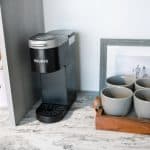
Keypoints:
pixel 75 132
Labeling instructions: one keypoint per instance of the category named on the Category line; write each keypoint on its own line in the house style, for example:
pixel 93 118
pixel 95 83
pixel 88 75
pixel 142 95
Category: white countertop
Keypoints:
pixel 75 132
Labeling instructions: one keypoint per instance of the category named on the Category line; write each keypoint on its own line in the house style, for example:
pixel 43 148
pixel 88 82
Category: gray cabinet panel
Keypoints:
pixel 21 19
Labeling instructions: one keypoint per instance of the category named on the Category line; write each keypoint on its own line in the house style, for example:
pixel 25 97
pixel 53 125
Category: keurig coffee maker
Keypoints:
pixel 54 73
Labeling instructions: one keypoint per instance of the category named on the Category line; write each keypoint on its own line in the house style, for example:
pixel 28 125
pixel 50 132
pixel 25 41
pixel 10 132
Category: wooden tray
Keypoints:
pixel 130 123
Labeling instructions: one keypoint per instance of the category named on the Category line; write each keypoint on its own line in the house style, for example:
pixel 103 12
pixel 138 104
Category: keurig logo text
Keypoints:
pixel 41 61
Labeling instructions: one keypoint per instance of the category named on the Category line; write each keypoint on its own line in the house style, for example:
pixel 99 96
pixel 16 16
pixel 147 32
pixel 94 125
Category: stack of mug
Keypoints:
pixel 121 91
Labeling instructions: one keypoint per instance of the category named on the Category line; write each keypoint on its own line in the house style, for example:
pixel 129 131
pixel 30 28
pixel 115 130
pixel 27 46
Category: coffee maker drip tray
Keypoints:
pixel 49 113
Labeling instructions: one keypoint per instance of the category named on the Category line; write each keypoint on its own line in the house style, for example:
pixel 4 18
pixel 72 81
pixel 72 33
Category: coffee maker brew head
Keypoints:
pixel 44 49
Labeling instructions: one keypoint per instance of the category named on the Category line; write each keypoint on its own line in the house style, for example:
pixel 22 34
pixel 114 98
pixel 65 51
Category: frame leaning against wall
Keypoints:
pixel 115 42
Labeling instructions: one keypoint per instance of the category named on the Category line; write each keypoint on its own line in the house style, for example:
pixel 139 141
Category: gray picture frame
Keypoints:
pixel 104 43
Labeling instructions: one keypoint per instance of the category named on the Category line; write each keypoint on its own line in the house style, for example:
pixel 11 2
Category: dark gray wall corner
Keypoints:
pixel 21 19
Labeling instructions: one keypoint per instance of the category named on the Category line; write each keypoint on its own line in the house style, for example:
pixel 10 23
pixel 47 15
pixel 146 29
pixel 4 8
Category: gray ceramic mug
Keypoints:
pixel 121 80
pixel 116 100
pixel 142 83
pixel 142 103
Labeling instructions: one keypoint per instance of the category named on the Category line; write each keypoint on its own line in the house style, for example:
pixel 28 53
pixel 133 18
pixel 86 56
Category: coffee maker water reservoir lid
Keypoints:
pixel 46 41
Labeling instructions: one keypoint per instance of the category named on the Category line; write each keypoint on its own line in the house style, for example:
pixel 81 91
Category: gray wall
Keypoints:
pixel 95 19
pixel 21 19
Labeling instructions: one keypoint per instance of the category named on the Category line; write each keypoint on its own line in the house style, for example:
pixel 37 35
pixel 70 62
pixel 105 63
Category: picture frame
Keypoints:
pixel 105 43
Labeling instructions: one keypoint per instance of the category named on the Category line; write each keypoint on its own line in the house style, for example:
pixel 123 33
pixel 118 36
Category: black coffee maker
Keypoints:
pixel 54 73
